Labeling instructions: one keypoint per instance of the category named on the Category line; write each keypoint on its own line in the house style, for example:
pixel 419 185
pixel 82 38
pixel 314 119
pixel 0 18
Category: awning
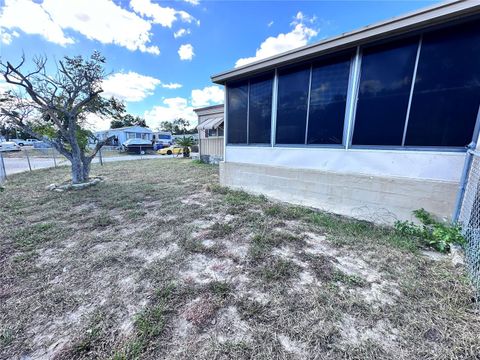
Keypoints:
pixel 210 124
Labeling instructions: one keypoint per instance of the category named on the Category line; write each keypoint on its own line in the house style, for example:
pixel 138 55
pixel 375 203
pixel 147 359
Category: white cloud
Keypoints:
pixel 172 108
pixel 7 37
pixel 164 16
pixel 100 20
pixel 207 96
pixel 178 107
pixel 193 2
pixel 32 19
pixel 298 36
pixel 270 23
pixel 129 86
pixel 95 122
pixel 172 86
pixel 186 52
pixel 104 21
pixel 180 33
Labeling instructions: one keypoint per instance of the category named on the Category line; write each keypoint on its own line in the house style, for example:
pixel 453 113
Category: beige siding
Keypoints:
pixel 211 146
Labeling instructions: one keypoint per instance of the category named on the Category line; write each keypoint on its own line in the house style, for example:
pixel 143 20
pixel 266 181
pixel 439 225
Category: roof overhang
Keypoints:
pixel 430 16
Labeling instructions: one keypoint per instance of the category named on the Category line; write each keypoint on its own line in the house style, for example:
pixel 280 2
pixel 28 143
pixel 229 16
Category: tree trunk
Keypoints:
pixel 80 172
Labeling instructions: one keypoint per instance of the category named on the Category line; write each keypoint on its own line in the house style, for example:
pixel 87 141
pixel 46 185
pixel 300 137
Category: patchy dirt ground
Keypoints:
pixel 160 262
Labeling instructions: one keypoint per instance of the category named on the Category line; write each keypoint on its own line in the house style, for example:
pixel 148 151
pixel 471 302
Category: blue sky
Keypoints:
pixel 161 54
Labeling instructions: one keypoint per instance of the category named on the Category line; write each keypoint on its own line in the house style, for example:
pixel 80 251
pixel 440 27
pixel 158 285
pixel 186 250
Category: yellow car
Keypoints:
pixel 174 149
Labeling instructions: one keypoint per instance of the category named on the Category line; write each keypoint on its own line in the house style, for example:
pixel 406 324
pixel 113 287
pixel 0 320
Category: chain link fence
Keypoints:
pixel 29 159
pixel 469 218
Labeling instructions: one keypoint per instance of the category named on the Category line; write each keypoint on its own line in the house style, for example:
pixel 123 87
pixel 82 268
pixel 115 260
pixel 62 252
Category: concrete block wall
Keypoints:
pixel 381 199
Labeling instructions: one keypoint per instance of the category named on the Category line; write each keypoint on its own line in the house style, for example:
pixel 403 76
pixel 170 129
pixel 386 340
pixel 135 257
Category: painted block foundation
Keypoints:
pixel 374 198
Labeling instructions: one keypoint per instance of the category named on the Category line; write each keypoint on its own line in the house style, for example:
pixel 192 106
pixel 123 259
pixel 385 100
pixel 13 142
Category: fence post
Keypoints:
pixel 28 159
pixel 100 156
pixel 466 170
pixel 54 159
pixel 3 171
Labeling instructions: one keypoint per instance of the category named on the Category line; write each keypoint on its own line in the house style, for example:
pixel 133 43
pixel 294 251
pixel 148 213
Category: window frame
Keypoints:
pixel 248 81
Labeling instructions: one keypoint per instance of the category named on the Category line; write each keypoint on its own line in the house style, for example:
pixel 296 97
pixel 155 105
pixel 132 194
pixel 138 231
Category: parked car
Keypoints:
pixel 20 142
pixel 174 149
pixel 9 146
pixel 137 146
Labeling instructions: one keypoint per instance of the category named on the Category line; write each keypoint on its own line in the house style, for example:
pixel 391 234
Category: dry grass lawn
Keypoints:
pixel 160 262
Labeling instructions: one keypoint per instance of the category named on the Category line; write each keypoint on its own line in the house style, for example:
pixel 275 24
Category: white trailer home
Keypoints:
pixel 371 124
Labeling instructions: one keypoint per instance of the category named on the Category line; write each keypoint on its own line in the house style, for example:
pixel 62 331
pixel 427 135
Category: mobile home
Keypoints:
pixel 210 133
pixel 120 135
pixel 373 123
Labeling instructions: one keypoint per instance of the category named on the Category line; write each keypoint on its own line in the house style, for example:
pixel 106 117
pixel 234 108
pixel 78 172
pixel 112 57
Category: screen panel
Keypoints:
pixel 237 97
pixel 446 95
pixel 385 84
pixel 260 110
pixel 293 87
pixel 328 99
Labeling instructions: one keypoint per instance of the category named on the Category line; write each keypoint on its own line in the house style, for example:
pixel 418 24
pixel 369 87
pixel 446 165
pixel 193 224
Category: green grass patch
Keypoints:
pixel 220 289
pixel 29 237
pixel 278 270
pixel 149 324
pixel 350 280
pixel 219 230
pixel 102 220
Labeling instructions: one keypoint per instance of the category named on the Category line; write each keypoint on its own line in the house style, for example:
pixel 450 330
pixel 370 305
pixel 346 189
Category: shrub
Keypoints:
pixel 431 232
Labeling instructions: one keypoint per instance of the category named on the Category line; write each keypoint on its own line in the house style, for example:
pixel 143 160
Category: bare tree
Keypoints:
pixel 55 108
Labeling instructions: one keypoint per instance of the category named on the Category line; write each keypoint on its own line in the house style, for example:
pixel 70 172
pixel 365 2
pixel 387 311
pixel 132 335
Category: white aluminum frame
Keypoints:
pixel 414 77
pixel 308 103
pixel 352 98
pixel 273 125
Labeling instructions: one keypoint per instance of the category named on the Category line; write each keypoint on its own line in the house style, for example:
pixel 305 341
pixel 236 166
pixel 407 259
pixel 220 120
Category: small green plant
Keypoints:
pixel 220 289
pixel 186 142
pixel 431 232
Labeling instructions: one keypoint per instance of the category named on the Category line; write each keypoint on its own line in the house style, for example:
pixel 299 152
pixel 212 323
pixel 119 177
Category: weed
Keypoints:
pixel 433 233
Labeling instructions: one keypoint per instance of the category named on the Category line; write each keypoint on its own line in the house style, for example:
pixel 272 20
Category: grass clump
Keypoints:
pixel 431 232
pixel 278 270
pixel 102 220
pixel 220 289
pixel 350 280
pixel 149 324
pixel 287 212
pixel 218 230
pixel 6 337
pixel 29 237
pixel 261 245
